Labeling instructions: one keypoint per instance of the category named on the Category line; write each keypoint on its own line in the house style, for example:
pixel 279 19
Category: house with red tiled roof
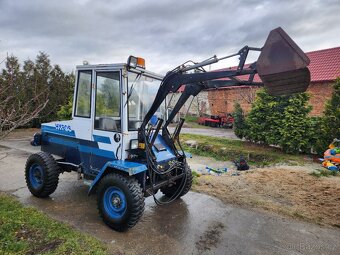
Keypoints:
pixel 324 68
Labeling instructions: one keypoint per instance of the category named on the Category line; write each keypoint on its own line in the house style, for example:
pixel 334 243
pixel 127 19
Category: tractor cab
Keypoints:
pixel 110 103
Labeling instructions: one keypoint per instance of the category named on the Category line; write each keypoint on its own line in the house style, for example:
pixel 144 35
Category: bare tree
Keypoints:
pixel 21 99
pixel 248 94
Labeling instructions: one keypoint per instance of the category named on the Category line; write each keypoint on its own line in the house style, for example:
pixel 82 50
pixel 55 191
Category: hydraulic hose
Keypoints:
pixel 152 169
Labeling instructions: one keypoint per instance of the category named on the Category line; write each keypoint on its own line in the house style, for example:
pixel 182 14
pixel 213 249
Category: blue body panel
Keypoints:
pixel 129 167
pixel 164 155
pixel 75 150
pixel 95 161
pixel 54 130
pixel 102 139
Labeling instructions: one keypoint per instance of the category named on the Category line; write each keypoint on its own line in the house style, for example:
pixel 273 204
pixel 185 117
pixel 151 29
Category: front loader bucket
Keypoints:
pixel 282 65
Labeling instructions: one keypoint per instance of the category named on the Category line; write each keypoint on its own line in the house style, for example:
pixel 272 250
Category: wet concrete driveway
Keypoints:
pixel 196 224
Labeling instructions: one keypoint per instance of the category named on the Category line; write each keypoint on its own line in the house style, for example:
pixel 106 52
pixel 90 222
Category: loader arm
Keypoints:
pixel 282 67
pixel 175 79
pixel 195 88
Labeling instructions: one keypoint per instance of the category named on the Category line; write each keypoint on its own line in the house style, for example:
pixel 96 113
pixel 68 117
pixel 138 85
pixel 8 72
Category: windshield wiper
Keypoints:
pixel 132 86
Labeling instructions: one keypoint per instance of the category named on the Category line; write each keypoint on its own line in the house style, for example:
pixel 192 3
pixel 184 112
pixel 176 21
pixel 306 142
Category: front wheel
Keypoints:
pixel 120 201
pixel 172 190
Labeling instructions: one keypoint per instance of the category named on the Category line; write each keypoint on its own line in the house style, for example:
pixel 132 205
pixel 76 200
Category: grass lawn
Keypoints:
pixel 189 118
pixel 195 125
pixel 227 150
pixel 25 230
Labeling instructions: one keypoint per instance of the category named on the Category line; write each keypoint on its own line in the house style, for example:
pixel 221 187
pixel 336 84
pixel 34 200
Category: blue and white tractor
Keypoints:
pixel 118 140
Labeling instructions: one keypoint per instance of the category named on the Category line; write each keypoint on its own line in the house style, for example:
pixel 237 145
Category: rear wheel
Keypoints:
pixel 172 190
pixel 41 174
pixel 120 201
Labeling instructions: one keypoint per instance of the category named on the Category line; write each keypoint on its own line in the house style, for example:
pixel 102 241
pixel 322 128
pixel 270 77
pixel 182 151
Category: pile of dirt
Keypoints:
pixel 288 190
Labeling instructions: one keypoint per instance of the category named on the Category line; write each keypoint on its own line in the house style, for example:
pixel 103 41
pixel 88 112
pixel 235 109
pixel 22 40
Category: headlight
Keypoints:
pixel 132 62
pixel 134 144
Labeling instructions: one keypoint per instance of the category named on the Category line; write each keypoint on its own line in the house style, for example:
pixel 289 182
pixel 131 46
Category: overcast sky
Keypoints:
pixel 166 33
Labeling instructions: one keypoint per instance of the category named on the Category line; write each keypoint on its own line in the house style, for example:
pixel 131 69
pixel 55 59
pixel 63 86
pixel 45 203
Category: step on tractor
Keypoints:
pixel 118 140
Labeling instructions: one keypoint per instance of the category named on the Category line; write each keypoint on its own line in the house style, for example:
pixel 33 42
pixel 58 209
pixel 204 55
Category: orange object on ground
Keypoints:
pixel 332 158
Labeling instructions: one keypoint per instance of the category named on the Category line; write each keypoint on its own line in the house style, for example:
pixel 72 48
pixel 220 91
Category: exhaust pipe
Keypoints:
pixel 282 65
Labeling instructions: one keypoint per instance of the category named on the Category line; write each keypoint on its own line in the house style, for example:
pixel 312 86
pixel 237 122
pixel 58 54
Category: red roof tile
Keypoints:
pixel 324 66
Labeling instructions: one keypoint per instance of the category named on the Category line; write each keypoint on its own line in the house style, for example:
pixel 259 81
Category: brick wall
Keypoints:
pixel 222 101
pixel 319 94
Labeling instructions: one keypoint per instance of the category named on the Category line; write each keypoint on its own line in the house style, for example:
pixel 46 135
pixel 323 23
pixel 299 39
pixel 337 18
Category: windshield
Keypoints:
pixel 142 91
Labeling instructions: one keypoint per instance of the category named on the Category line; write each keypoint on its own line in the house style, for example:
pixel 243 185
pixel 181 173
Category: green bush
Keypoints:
pixel 65 112
pixel 296 130
pixel 265 118
pixel 239 121
pixel 281 121
pixel 329 124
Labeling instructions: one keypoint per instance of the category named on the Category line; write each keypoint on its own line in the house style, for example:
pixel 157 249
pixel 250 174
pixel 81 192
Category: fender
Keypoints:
pixel 131 168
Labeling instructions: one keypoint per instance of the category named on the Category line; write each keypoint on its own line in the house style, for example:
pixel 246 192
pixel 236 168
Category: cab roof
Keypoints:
pixel 108 67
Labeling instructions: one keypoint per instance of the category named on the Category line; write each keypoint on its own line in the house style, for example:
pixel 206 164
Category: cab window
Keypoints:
pixel 107 116
pixel 83 97
pixel 142 92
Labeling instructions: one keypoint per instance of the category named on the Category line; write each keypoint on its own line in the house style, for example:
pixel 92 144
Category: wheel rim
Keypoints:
pixel 114 202
pixel 36 176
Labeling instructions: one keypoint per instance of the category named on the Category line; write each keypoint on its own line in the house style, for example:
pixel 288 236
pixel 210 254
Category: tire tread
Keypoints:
pixel 51 173
pixel 137 198
pixel 169 191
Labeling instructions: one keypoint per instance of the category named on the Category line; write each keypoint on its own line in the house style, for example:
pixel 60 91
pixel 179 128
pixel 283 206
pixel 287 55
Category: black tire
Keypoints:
pixel 120 201
pixel 41 174
pixel 170 191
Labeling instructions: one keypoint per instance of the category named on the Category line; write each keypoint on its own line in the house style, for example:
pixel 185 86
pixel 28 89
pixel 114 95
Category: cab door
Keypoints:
pixel 82 122
pixel 107 121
